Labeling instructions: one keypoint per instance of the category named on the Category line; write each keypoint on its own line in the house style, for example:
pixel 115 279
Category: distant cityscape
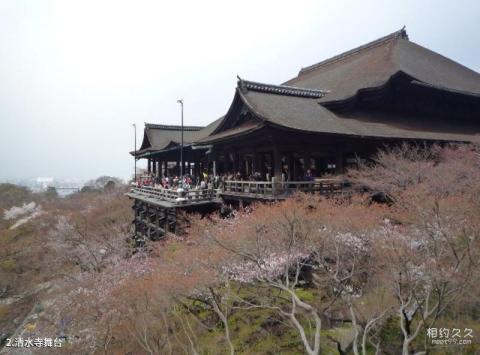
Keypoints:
pixel 64 187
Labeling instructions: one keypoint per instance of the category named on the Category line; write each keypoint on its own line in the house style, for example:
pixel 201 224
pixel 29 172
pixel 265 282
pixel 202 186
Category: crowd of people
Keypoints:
pixel 208 181
pixel 202 181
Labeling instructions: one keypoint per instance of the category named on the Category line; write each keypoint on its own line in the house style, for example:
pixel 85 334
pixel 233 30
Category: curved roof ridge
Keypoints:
pixel 280 89
pixel 400 34
pixel 172 127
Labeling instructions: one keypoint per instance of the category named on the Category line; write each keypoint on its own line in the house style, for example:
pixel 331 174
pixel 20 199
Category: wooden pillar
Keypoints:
pixel 154 161
pixel 160 170
pixel 230 159
pixel 214 165
pixel 291 167
pixel 277 164
pixel 255 165
pixel 235 162
pixel 339 162
pixel 261 163
pixel 306 162
pixel 241 165
pixel 177 168
pixel 149 166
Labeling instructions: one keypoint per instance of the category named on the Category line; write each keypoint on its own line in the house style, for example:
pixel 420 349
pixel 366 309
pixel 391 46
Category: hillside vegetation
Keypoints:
pixel 343 275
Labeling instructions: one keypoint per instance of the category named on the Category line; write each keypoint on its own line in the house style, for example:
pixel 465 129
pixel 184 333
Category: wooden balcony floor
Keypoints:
pixel 236 190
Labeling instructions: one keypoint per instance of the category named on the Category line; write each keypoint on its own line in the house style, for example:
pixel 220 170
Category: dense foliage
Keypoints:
pixel 307 275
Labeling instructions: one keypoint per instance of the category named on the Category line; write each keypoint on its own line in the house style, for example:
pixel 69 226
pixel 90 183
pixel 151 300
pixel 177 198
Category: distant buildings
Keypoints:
pixel 43 183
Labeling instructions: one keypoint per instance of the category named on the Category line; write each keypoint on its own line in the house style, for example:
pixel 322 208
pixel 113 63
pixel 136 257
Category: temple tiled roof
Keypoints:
pixel 374 63
pixel 159 137
pixel 304 103
pixel 307 115
pixel 402 34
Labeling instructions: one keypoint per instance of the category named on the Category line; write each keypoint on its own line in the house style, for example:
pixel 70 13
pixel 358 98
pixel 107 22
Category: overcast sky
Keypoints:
pixel 74 75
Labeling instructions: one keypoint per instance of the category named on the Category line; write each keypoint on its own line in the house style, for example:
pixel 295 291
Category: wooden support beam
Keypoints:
pixel 235 162
pixel 277 164
pixel 339 162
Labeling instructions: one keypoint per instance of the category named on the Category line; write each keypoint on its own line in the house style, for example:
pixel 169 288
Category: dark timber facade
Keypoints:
pixel 388 91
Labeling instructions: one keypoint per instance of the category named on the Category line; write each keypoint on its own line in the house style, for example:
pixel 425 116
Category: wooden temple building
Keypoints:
pixel 387 91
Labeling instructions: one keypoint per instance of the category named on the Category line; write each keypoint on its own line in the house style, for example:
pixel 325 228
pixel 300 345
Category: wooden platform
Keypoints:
pixel 156 208
pixel 171 204
pixel 271 190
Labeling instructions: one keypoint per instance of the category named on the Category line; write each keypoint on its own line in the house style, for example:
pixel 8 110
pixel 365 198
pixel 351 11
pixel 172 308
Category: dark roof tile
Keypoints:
pixel 373 64
pixel 246 85
pixel 307 115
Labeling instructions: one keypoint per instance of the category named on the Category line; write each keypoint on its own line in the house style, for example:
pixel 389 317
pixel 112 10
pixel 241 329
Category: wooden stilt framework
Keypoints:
pixel 154 222
pixel 160 211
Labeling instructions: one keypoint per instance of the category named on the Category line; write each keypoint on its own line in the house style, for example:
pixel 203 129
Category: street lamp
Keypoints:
pixel 135 152
pixel 181 145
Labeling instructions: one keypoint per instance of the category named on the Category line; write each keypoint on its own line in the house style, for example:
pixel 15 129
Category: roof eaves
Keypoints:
pixel 380 86
pixel 213 139
pixel 442 88
pixel 372 136
pixel 154 152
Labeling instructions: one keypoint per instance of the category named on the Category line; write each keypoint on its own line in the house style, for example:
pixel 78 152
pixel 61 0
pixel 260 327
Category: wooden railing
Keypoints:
pixel 178 197
pixel 250 189
pixel 281 189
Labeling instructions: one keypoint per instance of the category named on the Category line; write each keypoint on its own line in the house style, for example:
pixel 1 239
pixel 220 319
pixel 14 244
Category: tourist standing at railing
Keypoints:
pixel 222 179
pixel 216 182
pixel 188 181
pixel 308 176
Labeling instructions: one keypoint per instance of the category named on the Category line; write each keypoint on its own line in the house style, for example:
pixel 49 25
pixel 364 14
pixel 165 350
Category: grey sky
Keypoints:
pixel 74 75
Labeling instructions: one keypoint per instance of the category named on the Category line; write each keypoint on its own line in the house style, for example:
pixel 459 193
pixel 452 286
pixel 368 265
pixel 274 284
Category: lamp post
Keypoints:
pixel 181 144
pixel 135 152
